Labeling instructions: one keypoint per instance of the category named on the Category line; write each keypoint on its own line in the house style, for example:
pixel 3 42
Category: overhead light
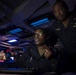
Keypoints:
pixel 15 30
pixel 39 22
pixel 13 40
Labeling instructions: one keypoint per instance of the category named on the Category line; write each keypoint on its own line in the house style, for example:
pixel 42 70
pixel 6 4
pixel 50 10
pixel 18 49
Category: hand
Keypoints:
pixel 47 53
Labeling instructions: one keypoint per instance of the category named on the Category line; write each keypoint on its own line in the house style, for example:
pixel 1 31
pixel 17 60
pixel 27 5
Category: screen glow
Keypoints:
pixel 39 22
pixel 14 40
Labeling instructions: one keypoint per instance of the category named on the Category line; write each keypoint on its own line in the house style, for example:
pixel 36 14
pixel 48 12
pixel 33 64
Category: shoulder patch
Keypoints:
pixel 57 29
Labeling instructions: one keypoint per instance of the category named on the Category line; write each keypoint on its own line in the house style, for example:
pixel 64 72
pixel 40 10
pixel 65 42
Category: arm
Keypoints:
pixel 48 53
pixel 4 57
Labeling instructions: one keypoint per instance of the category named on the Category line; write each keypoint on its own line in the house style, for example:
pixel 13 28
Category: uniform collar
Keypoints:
pixel 34 52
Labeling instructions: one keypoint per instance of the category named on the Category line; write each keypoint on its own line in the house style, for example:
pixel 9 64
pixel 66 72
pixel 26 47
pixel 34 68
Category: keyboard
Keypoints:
pixel 21 70
pixel 16 70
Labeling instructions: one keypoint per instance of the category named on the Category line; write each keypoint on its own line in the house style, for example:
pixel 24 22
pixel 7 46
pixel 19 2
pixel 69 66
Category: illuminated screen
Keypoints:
pixel 8 61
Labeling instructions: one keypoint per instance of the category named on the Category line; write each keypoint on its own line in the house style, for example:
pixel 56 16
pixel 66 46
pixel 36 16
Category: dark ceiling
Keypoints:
pixel 12 3
pixel 19 14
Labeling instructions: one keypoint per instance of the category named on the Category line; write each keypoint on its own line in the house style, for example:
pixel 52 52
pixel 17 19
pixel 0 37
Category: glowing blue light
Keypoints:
pixel 14 40
pixel 39 22
pixel 15 31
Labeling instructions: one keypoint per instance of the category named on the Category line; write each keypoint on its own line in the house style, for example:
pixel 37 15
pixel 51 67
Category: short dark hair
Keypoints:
pixel 63 3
